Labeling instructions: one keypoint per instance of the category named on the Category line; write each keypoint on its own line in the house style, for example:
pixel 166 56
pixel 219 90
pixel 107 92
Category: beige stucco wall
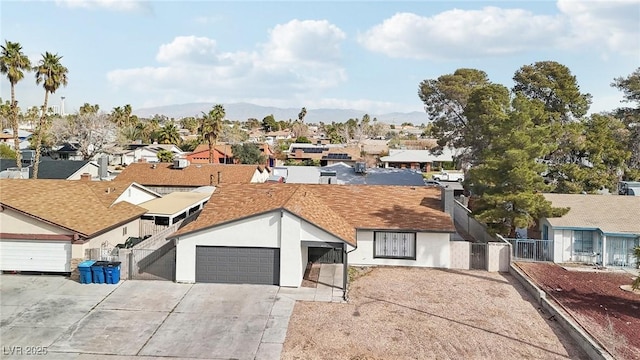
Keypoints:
pixel 498 257
pixel 14 222
pixel 112 237
pixel 135 196
pixel 432 250
pixel 460 254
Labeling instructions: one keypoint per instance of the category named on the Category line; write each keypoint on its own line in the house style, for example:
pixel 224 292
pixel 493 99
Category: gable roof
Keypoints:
pixel 338 209
pixel 163 174
pixel 224 149
pixel 84 207
pixel 49 168
pixel 609 213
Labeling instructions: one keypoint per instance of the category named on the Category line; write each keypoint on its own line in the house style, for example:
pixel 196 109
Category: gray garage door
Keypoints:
pixel 234 265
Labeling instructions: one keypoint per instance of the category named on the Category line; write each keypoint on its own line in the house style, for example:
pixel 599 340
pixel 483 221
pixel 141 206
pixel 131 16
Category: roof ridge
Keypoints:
pixel 286 202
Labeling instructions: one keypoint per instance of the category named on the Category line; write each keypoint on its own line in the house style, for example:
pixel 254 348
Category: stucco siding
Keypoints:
pixel 135 196
pixel 112 237
pixel 259 231
pixel 18 223
pixel 310 232
pixel 432 250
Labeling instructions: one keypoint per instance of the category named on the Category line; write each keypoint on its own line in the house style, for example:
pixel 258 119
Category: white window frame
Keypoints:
pixel 582 242
pixel 394 245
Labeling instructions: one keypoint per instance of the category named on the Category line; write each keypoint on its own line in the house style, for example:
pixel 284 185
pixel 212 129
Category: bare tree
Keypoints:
pixel 92 132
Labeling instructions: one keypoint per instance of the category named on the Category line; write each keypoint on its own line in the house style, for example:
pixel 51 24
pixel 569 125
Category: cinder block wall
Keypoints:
pixel 460 251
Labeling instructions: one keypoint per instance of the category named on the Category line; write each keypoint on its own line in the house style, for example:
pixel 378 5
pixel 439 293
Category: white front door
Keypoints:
pixel 35 255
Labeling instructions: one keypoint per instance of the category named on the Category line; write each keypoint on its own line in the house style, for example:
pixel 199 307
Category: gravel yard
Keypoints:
pixel 418 313
pixel 596 301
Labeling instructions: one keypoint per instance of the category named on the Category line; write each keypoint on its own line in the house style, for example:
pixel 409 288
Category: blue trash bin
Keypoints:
pixel 112 272
pixel 85 271
pixel 97 270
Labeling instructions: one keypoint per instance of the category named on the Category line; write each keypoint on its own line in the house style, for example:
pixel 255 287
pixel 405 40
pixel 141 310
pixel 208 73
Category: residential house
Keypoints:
pixel 23 135
pixel 326 154
pixel 222 154
pixel 272 137
pixel 266 233
pixel 143 152
pixel 166 178
pixel 54 169
pixel 423 160
pixel 342 174
pixel 597 229
pixel 7 139
pixel 46 225
pixel 68 151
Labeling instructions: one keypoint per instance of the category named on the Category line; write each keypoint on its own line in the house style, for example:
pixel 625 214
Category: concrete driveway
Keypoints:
pixel 140 318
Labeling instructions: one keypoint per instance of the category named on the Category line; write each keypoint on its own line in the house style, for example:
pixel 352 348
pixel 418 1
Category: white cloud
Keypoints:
pixel 299 57
pixel 461 33
pixel 607 24
pixel 188 49
pixel 611 25
pixel 114 5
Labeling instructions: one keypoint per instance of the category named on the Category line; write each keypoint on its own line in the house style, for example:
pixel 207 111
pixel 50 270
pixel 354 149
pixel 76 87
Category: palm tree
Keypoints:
pixel 13 63
pixel 52 75
pixel 211 127
pixel 169 134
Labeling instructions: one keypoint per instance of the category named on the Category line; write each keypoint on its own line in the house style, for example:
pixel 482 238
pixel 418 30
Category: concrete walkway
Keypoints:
pixel 328 289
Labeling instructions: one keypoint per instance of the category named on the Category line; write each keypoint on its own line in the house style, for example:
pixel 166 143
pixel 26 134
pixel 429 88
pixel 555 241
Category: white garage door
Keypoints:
pixel 41 255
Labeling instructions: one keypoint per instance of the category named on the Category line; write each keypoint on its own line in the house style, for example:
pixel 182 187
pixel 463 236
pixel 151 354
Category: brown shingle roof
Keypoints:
pixel 194 175
pixel 339 209
pixel 609 213
pixel 81 206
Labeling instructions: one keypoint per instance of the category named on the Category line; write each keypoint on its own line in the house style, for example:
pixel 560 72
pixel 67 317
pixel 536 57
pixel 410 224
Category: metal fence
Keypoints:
pixel 478 256
pixel 531 249
pixel 153 264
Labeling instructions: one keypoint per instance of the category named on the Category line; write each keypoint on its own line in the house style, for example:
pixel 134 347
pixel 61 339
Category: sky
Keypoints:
pixel 363 55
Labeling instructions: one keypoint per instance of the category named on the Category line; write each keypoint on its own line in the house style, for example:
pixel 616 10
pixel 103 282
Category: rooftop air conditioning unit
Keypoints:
pixel 180 163
pixel 360 168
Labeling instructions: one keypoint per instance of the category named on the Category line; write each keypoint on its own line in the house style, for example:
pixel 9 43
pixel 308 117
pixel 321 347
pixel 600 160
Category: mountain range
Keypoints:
pixel 244 111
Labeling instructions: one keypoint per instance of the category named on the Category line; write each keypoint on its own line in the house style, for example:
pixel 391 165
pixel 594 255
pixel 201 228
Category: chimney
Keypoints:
pixel 298 153
pixel 447 200
pixel 85 177
pixel 219 177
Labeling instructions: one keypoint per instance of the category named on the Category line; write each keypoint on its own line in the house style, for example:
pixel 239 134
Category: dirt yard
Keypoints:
pixel 596 301
pixel 413 313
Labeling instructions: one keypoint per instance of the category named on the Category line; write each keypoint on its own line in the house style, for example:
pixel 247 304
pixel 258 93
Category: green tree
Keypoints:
pixel 13 64
pixel 445 100
pixel 248 153
pixel 302 114
pixel 507 180
pixel 52 74
pixel 303 140
pixel 165 156
pixel 87 108
pixel 211 127
pixel 189 145
pixel 169 134
pixel 6 152
pixel 269 123
pixel 190 123
pixel 630 117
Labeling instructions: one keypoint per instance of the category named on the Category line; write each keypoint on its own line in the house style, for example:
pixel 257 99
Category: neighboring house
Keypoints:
pixel 597 228
pixel 55 169
pixel 273 136
pixel 23 136
pixel 170 209
pixel 342 173
pixel 222 154
pixel 140 152
pixel 267 233
pixel 165 178
pixel 67 151
pixel 416 159
pixel 7 139
pixel 46 225
pixel 326 154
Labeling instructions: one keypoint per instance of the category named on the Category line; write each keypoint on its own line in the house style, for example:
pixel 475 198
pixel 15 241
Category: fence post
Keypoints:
pixel 130 264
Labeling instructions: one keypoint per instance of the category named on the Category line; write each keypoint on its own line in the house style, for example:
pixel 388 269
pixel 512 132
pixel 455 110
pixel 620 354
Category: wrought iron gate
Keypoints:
pixel 478 256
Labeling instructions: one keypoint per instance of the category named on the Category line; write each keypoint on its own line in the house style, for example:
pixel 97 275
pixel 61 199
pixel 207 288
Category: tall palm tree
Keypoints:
pixel 13 63
pixel 211 127
pixel 169 134
pixel 52 75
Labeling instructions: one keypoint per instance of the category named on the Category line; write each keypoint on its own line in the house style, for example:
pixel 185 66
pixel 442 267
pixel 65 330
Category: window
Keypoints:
pixel 124 231
pixel 582 241
pixel 394 245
